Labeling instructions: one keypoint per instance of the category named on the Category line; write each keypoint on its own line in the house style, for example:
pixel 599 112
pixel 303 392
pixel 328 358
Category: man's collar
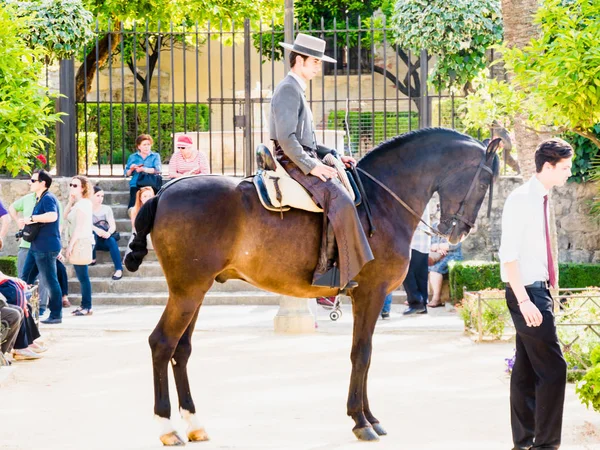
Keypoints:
pixel 538 187
pixel 299 79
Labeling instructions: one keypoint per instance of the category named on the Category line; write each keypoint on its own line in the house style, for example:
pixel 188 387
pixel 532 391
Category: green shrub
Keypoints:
pixel 91 155
pixel 379 125
pixel 480 275
pixel 8 265
pixel 116 136
pixel 588 388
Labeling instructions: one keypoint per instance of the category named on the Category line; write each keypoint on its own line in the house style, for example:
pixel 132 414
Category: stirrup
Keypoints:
pixel 330 279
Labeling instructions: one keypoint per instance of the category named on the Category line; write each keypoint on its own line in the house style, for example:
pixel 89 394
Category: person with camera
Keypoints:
pixel 42 228
pixel 105 232
pixel 19 210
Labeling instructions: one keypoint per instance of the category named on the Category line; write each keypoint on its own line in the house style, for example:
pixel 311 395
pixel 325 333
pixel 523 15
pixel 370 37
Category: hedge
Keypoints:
pixel 8 265
pixel 480 275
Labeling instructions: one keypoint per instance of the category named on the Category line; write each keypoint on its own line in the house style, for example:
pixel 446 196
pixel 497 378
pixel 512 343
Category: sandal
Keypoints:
pixel 66 303
pixel 436 305
pixel 93 263
pixel 83 312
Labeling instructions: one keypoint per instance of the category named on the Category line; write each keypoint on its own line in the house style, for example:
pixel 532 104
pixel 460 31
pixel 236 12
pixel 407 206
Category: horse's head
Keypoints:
pixel 462 191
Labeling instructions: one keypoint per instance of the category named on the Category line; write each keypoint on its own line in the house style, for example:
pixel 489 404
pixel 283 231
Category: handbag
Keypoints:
pixel 30 232
pixel 82 252
pixel 104 225
pixel 149 179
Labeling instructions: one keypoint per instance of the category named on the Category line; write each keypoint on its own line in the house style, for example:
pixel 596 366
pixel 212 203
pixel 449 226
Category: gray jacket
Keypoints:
pixel 292 124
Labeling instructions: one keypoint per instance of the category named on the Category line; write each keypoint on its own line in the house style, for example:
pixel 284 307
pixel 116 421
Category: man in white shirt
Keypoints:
pixel 415 283
pixel 537 385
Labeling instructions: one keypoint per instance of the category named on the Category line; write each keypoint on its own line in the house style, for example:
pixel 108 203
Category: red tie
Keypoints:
pixel 551 273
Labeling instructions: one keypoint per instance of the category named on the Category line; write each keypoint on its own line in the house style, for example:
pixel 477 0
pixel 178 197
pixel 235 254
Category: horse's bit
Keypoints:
pixel 460 213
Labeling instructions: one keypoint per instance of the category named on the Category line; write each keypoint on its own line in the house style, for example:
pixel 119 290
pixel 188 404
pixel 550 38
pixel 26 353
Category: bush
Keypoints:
pixel 379 125
pixel 90 154
pixel 8 265
pixel 588 388
pixel 116 137
pixel 480 275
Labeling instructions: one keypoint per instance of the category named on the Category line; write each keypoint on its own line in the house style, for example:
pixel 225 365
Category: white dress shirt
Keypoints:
pixel 421 241
pixel 523 232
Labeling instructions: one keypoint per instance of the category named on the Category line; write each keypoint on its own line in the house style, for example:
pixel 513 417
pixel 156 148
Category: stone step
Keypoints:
pixel 120 211
pixel 105 285
pixel 160 298
pixel 111 184
pixel 113 198
pixel 104 257
pixel 106 270
pixel 123 224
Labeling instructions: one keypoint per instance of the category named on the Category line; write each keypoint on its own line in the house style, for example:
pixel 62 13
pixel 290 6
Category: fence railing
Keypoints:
pixel 216 84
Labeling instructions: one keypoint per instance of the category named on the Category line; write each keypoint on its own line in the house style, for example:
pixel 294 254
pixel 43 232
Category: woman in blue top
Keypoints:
pixel 448 252
pixel 144 160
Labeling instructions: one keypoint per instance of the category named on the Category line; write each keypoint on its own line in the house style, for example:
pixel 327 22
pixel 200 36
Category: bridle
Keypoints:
pixel 459 215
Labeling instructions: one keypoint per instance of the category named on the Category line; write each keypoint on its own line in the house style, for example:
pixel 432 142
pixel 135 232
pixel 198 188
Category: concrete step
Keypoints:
pixel 123 224
pixel 119 210
pixel 104 257
pixel 111 184
pixel 114 198
pixel 106 270
pixel 159 298
pixel 127 285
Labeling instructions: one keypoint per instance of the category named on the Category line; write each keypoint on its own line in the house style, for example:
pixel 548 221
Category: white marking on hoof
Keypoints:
pixel 173 361
pixel 165 425
pixel 195 430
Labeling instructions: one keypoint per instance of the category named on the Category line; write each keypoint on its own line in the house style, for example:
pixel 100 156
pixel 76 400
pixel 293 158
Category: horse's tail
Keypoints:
pixel 144 222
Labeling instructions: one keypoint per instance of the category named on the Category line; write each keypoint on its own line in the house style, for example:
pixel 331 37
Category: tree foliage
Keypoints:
pixel 457 32
pixel 25 109
pixel 60 26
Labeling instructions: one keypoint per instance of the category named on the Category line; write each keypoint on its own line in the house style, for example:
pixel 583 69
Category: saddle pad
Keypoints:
pixel 293 193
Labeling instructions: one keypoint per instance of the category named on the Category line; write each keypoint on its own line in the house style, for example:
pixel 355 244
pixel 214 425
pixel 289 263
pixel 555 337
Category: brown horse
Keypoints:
pixel 209 228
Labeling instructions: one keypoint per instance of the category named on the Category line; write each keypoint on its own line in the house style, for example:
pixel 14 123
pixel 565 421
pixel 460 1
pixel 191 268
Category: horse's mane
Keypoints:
pixel 406 138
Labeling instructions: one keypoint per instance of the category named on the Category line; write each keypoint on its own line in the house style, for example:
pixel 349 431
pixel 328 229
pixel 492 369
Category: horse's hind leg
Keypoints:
pixel 165 338
pixel 195 431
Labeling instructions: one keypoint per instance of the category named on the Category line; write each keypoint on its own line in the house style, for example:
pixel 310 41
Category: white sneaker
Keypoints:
pixel 23 354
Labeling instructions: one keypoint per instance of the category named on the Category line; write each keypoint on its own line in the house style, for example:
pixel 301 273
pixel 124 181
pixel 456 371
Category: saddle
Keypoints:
pixel 279 192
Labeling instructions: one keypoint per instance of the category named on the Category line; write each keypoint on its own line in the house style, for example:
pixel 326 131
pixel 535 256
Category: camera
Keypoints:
pixel 19 234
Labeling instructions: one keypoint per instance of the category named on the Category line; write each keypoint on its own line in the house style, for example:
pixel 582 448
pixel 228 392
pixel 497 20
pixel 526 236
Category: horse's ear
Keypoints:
pixel 493 146
pixel 486 142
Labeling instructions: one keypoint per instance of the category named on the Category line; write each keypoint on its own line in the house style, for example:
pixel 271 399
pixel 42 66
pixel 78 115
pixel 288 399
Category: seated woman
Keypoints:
pixel 143 161
pixel 10 323
pixel 25 347
pixel 187 160
pixel 437 271
pixel 142 196
pixel 104 226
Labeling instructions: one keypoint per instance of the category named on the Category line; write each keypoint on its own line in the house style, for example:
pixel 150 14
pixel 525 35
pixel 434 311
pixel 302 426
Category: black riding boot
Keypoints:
pixel 327 273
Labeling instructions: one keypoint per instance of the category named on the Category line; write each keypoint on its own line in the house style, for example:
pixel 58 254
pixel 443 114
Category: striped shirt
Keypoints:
pixel 179 165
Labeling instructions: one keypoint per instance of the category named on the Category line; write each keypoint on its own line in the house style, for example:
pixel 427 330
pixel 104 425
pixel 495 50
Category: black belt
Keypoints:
pixel 536 285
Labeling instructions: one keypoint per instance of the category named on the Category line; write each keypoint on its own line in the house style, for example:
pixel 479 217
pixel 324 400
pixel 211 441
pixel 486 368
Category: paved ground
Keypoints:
pixel 258 390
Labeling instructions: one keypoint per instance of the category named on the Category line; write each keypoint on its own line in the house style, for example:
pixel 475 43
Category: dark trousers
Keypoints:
pixel 111 246
pixel 539 377
pixel 28 331
pixel 45 263
pixel 415 283
pixel 86 286
pixel 11 317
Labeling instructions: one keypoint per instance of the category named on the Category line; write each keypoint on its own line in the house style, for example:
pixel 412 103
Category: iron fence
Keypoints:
pixel 215 84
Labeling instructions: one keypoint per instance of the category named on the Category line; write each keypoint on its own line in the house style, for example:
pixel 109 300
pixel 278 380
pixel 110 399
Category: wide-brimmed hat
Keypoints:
pixel 309 46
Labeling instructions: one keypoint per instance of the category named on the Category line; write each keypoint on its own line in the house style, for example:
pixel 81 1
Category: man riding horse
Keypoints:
pixel 293 134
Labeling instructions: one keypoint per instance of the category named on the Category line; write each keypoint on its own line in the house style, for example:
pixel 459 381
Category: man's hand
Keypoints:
pixel 27 221
pixel 21 223
pixel 348 160
pixel 324 172
pixel 531 313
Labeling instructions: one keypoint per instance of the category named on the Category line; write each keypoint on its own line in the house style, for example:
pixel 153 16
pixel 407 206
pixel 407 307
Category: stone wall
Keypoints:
pixel 578 234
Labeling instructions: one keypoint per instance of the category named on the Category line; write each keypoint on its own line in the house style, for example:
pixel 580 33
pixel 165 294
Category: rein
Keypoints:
pixel 460 213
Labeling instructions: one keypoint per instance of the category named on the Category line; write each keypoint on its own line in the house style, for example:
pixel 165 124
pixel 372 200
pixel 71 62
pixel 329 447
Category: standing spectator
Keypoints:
pixel 25 347
pixel 387 307
pixel 46 246
pixel 24 206
pixel 79 213
pixel 142 161
pixel 104 226
pixel 187 160
pixel 415 283
pixel 539 375
pixel 448 252
pixel 5 219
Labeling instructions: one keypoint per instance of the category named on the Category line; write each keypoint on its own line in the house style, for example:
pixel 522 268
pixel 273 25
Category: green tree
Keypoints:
pixel 117 15
pixel 25 108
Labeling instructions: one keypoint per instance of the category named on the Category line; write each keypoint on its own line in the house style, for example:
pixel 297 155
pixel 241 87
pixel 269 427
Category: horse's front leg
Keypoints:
pixel 163 342
pixel 365 317
pixel 195 431
pixel 367 410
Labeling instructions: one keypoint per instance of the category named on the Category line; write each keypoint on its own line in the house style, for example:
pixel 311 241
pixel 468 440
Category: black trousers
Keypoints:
pixel 415 283
pixel 539 377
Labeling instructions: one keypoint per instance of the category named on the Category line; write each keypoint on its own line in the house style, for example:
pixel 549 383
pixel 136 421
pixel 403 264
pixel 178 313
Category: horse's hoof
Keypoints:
pixel 379 429
pixel 171 439
pixel 365 434
pixel 198 435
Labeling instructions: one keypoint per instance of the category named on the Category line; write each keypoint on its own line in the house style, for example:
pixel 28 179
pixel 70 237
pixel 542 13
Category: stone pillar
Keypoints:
pixel 294 316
